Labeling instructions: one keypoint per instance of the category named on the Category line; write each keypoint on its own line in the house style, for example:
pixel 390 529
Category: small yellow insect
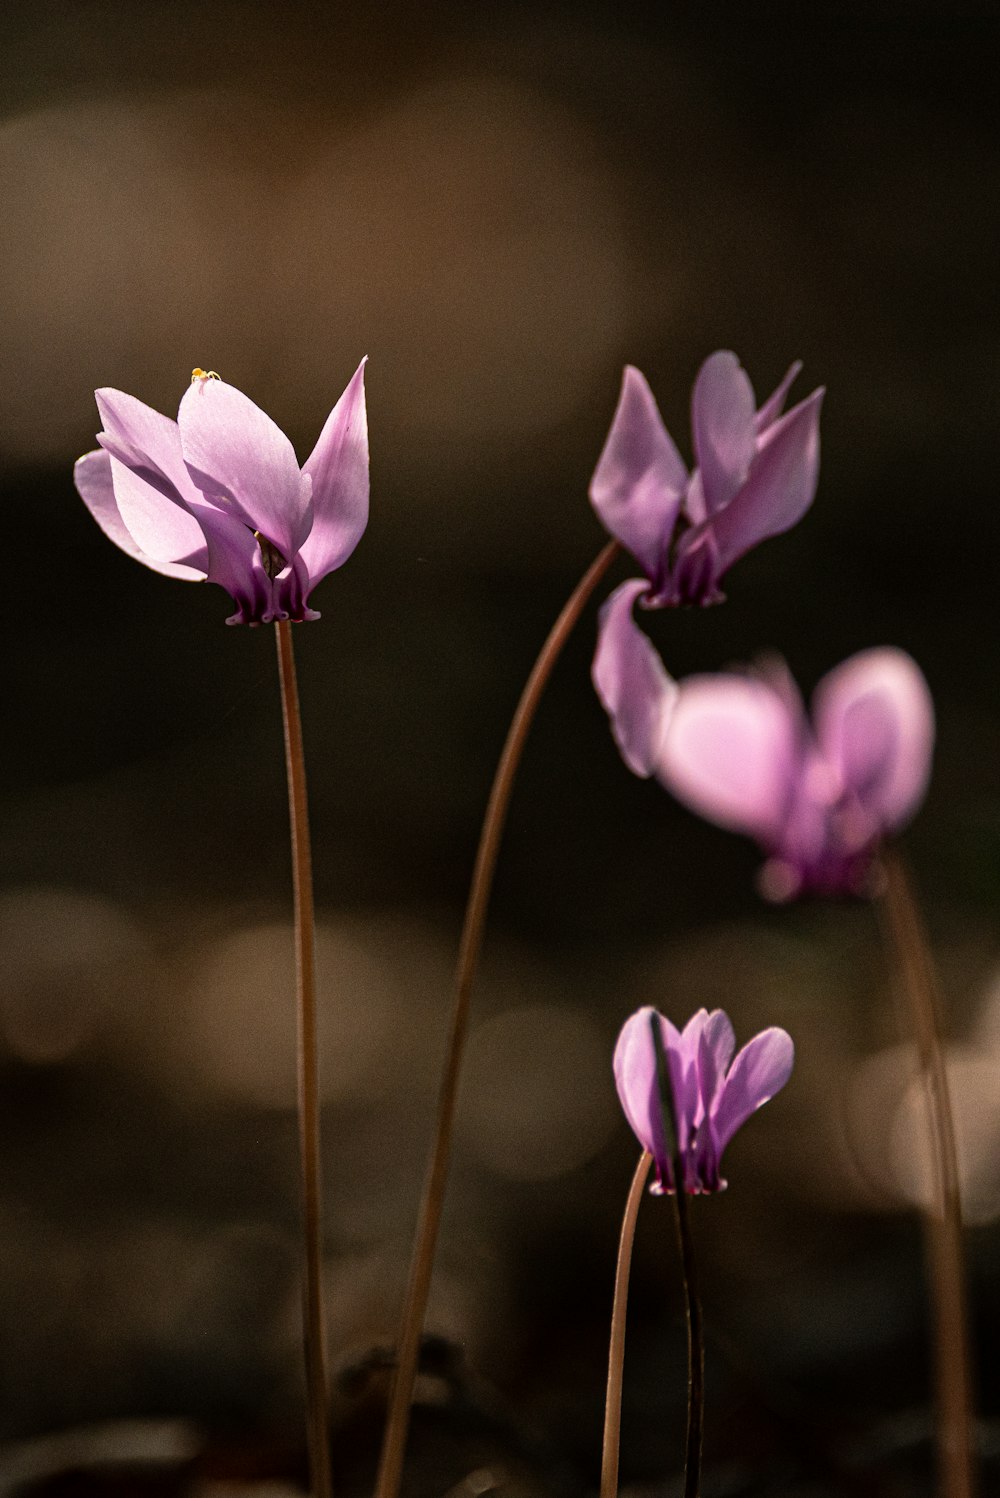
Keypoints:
pixel 204 374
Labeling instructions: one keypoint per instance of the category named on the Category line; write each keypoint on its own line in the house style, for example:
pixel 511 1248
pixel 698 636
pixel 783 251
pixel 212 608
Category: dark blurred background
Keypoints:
pixel 500 208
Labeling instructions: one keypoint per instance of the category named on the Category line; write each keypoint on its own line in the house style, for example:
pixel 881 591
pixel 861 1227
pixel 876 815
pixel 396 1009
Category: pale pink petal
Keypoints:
pixel 92 476
pixel 760 1070
pixel 875 723
pixel 775 403
pixel 640 477
pixel 338 468
pixel 243 462
pixel 716 1044
pixel 629 677
pixel 162 527
pixel 731 753
pixel 780 486
pixel 635 1077
pixel 236 564
pixel 722 419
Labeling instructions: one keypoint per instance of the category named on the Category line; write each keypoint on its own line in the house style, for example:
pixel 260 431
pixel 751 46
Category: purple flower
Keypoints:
pixel 818 797
pixel 712 1094
pixel 755 477
pixel 219 494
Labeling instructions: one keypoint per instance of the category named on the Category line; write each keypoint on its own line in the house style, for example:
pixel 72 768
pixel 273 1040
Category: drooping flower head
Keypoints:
pixel 818 797
pixel 713 1094
pixel 755 476
pixel 219 493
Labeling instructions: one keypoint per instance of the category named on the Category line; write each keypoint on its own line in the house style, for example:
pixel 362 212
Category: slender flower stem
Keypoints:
pixel 308 1070
pixel 616 1348
pixel 696 1349
pixel 689 1271
pixel 907 940
pixel 422 1263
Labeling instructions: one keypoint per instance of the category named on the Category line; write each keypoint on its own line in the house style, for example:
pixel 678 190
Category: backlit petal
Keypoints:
pixel 875 723
pixel 635 1078
pixel 722 420
pixel 92 476
pixel 338 467
pixel 760 1070
pixel 162 527
pixel 630 679
pixel 731 753
pixel 775 403
pixel 146 441
pixel 640 477
pixel 242 461
pixel 780 486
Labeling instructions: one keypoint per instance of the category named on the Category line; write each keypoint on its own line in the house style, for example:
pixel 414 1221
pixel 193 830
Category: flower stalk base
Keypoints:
pixel 943 1217
pixel 421 1266
pixel 308 1073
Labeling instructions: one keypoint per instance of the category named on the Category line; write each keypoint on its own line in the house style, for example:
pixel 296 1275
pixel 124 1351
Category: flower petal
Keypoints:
pixel 243 462
pixel 146 441
pixel 634 1066
pixel 92 476
pixel 775 403
pixel 731 754
pixel 640 477
pixel 875 722
pixel 760 1070
pixel 722 421
pixel 236 564
pixel 780 487
pixel 162 527
pixel 716 1045
pixel 629 677
pixel 338 467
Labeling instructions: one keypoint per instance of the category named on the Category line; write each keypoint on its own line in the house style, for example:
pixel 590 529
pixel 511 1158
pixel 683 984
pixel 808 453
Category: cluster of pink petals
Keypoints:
pixel 713 1094
pixel 219 494
pixel 820 796
pixel 756 475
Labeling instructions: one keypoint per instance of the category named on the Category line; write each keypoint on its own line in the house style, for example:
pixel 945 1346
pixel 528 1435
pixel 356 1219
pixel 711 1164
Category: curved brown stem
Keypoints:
pixel 616 1346
pixel 943 1219
pixel 308 1073
pixel 421 1266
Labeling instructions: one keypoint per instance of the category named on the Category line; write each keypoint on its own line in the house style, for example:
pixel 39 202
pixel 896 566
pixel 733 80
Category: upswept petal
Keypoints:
pixel 242 461
pixel 634 1066
pixel 731 753
pixel 874 722
pixel 685 1077
pixel 780 486
pixel 630 679
pixel 722 421
pixel 640 477
pixel 775 403
pixel 338 468
pixel 92 476
pixel 760 1070
pixel 146 441
pixel 163 528
pixel 715 1051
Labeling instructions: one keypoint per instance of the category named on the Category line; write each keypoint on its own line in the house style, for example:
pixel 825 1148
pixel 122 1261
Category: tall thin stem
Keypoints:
pixel 308 1072
pixel 696 1347
pixel 906 938
pixel 616 1346
pixel 421 1265
pixel 689 1271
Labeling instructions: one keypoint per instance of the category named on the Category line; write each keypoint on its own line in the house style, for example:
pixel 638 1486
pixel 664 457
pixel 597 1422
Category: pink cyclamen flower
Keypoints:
pixel 219 493
pixel 713 1094
pixel 756 475
pixel 818 797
